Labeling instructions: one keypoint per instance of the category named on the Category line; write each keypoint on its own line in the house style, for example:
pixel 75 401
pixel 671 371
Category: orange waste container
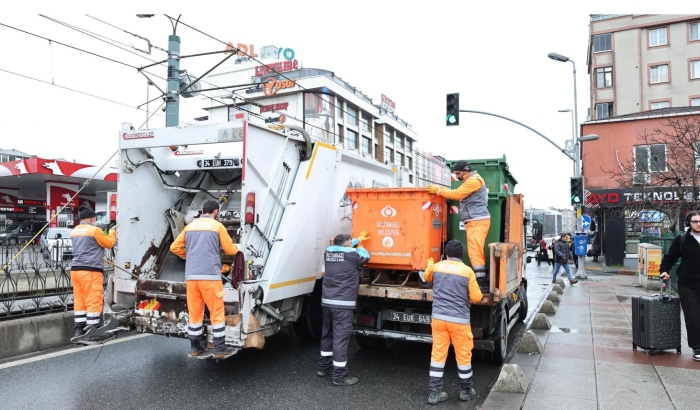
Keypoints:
pixel 406 226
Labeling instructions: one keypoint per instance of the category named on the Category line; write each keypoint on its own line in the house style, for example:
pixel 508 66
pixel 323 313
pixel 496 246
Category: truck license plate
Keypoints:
pixel 221 162
pixel 409 317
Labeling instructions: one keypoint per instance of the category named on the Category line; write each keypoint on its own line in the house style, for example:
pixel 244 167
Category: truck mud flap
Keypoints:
pixel 161 307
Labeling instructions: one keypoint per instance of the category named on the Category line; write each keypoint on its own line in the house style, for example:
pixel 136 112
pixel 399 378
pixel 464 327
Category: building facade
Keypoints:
pixel 643 62
pixel 430 169
pixel 328 107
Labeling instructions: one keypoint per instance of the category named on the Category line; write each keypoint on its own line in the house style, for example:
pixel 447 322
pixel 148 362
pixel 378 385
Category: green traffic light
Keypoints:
pixel 451 119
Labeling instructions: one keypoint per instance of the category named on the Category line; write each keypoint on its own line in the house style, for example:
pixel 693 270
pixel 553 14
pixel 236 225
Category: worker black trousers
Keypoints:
pixel 690 302
pixel 335 338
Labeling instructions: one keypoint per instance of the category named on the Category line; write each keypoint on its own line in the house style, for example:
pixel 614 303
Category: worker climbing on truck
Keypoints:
pixel 199 244
pixel 473 201
pixel 454 291
pixel 340 285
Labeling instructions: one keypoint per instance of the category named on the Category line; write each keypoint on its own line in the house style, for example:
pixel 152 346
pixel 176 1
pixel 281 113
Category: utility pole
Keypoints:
pixel 172 95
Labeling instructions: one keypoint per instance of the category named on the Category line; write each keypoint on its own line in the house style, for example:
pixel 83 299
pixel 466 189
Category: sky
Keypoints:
pixel 494 55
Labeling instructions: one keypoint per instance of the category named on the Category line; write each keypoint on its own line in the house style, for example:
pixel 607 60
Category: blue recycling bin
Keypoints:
pixel 581 243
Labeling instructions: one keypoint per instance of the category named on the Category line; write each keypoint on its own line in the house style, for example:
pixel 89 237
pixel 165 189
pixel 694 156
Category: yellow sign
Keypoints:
pixel 578 213
pixel 653 263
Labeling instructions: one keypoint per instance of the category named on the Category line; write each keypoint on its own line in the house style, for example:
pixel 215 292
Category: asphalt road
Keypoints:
pixel 153 372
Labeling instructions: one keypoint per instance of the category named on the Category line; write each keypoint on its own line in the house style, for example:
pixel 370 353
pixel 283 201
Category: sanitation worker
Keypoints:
pixel 199 244
pixel 454 291
pixel 341 283
pixel 86 271
pixel 473 200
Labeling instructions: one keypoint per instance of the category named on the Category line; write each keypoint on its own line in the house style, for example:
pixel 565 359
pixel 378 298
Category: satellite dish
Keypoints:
pixel 193 91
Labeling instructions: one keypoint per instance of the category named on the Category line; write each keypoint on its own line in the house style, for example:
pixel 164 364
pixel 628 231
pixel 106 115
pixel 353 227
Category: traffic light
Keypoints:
pixel 452 109
pixel 576 191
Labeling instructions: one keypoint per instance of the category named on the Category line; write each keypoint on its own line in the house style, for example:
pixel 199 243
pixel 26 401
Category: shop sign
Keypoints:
pixel 603 198
pixel 274 107
pixel 31 202
pixel 271 85
pixel 241 49
pixel 653 263
pixel 388 104
pixel 274 68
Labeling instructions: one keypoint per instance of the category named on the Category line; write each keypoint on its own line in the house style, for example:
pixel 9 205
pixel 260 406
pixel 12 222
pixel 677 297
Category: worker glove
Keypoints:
pixel 225 268
pixel 433 189
pixel 364 236
pixel 431 262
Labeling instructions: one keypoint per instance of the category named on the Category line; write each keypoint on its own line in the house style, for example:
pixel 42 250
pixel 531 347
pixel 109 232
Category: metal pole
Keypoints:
pixel 147 99
pixel 172 96
pixel 581 272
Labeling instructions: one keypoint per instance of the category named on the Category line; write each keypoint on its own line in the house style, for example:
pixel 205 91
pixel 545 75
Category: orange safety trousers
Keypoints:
pixel 476 238
pixel 87 297
pixel 463 341
pixel 211 293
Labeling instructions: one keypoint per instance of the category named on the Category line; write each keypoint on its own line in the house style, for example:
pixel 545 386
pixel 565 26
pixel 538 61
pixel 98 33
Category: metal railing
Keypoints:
pixel 36 280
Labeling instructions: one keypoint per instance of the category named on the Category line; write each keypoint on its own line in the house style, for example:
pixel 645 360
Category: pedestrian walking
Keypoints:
pixel 200 243
pixel 687 247
pixel 341 283
pixel 454 290
pixel 561 258
pixel 473 200
pixel 87 269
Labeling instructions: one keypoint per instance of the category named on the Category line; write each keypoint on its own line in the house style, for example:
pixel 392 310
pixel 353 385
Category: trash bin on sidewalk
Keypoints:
pixel 581 243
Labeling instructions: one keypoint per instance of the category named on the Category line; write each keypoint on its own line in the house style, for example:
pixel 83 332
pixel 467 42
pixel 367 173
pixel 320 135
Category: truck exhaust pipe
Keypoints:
pixel 307 138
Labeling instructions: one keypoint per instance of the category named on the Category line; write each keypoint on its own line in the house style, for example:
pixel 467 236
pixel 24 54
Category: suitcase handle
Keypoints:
pixel 665 296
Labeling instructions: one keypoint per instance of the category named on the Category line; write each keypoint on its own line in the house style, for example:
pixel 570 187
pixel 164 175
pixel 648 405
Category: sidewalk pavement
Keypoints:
pixel 588 361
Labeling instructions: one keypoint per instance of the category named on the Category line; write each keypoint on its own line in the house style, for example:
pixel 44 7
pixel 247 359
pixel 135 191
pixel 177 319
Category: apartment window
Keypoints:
pixel 695 102
pixel 695 69
pixel 657 37
pixel 365 123
pixel 351 140
pixel 603 77
pixel 410 160
pixel 694 31
pixel 366 145
pixel 351 114
pixel 400 160
pixel 604 110
pixel 389 155
pixel 409 144
pixel 387 136
pixel 660 104
pixel 650 158
pixel 339 108
pixel 602 42
pixel 659 74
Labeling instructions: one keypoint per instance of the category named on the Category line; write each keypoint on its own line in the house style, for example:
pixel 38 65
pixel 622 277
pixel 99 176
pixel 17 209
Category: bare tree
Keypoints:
pixel 663 172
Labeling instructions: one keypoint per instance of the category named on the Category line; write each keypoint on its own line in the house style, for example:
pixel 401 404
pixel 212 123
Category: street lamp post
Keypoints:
pixel 573 135
pixel 581 273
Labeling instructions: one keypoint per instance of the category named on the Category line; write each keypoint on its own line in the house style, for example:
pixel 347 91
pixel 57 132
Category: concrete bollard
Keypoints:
pixel 558 289
pixel 548 307
pixel 540 322
pixel 554 297
pixel 511 380
pixel 530 343
pixel 561 283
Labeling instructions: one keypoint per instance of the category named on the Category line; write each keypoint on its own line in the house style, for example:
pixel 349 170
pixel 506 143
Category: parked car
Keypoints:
pixel 20 232
pixel 56 244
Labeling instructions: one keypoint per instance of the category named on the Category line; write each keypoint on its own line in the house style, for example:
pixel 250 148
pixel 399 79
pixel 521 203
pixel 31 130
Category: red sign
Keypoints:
pixel 8 197
pixel 271 86
pixel 33 202
pixel 388 103
pixel 274 68
pixel 274 107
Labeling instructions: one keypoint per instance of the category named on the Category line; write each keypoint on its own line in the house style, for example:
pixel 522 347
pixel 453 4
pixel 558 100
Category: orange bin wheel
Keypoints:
pixel 406 226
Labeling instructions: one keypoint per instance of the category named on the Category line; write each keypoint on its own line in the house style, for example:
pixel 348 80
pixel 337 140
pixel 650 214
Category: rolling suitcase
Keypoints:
pixel 656 321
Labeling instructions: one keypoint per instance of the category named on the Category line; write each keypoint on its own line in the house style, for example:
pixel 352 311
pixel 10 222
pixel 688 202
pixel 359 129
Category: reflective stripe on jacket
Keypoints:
pixel 454 290
pixel 89 243
pixel 199 243
pixel 342 279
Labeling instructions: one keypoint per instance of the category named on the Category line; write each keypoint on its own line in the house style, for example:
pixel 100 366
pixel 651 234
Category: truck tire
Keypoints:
pixel 310 322
pixel 522 296
pixel 500 338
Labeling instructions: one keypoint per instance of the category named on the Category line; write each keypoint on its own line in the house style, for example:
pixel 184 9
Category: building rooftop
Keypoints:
pixel 661 112
pixel 597 17
pixel 14 152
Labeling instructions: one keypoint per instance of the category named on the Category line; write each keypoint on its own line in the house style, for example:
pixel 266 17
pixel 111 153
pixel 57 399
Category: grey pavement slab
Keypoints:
pixel 613 372
pixel 624 395
pixel 566 366
pixel 679 377
pixel 526 359
pixel 573 386
pixel 555 402
pixel 581 339
pixel 683 397
pixel 500 401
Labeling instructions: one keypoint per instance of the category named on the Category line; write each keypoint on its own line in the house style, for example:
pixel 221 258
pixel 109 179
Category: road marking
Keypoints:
pixel 70 351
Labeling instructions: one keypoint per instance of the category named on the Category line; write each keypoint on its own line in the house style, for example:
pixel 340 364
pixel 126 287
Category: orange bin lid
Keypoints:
pixel 406 225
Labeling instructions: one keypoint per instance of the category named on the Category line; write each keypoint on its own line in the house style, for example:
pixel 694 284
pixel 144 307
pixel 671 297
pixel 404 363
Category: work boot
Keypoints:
pixel 79 331
pixel 89 329
pixel 436 396
pixel 347 381
pixel 483 284
pixel 322 373
pixel 467 394
pixel 224 354
pixel 197 347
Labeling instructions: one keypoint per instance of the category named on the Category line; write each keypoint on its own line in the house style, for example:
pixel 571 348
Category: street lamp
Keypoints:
pixel 577 171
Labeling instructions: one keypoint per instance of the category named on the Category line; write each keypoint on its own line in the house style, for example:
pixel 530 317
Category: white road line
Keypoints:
pixel 70 351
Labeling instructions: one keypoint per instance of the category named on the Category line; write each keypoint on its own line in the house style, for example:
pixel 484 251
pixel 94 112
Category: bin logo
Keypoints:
pixel 388 211
pixel 388 241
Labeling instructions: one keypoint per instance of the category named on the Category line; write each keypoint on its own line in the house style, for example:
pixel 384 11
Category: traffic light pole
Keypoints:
pixel 581 272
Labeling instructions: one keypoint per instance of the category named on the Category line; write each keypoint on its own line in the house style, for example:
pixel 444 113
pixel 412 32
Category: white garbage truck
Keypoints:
pixel 283 197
